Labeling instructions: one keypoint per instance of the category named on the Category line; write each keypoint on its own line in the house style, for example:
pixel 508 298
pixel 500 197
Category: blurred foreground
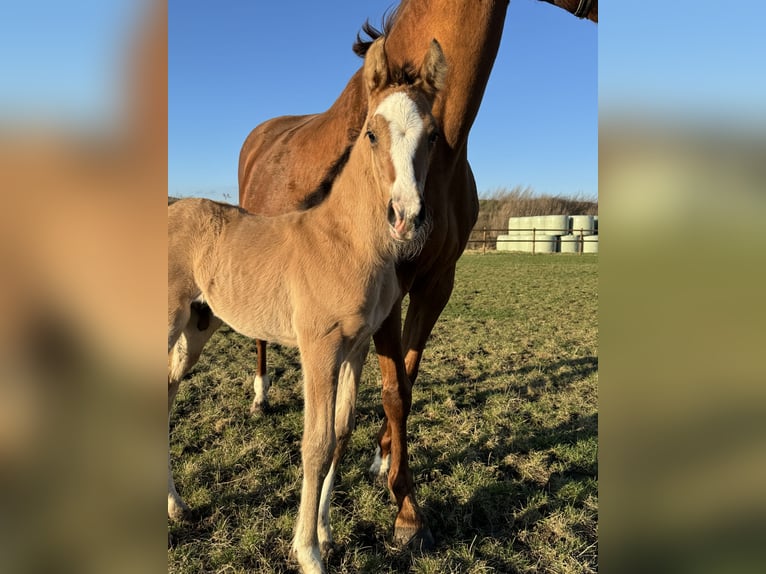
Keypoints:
pixel 682 423
pixel 82 235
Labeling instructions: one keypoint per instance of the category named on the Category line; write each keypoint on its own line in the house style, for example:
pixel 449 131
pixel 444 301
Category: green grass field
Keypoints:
pixel 503 439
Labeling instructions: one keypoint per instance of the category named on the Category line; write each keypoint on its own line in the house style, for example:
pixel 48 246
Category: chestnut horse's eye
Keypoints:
pixel 373 138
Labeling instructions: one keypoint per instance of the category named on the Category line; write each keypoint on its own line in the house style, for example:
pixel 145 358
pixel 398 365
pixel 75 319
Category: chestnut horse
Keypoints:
pixel 322 279
pixel 288 163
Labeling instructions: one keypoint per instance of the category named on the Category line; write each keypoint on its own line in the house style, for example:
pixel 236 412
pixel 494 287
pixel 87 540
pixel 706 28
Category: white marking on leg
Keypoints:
pixel 176 506
pixel 304 548
pixel 261 385
pixel 324 531
pixel 309 559
pixel 178 359
pixel 380 465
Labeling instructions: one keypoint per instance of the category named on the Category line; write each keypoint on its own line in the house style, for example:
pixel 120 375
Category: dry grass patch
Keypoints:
pixel 503 439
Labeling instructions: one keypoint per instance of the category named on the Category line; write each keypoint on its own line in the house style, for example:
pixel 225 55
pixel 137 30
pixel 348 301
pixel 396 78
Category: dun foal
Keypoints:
pixel 322 279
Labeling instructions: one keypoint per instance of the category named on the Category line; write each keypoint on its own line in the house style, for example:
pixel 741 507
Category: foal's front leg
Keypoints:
pixel 345 403
pixel 320 362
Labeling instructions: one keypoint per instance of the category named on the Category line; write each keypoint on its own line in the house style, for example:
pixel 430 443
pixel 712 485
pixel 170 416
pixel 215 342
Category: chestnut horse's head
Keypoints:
pixel 401 134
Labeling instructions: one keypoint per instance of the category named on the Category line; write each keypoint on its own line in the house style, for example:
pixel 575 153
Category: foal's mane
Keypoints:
pixel 325 186
pixel 361 46
pixel 400 75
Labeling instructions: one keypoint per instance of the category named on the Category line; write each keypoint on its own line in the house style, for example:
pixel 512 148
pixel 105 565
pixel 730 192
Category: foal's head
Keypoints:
pixel 401 134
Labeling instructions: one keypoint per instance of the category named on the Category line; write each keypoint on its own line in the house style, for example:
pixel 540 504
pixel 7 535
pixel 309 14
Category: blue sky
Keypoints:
pixel 61 62
pixel 684 60
pixel 235 64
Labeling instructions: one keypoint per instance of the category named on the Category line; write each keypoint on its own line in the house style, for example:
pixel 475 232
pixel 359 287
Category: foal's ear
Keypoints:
pixel 433 71
pixel 376 66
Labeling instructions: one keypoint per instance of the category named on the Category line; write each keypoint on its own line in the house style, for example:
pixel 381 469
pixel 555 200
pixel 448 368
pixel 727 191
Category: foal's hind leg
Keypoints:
pixel 261 382
pixel 185 353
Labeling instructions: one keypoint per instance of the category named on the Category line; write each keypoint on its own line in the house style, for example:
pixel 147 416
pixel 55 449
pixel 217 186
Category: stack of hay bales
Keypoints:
pixel 551 234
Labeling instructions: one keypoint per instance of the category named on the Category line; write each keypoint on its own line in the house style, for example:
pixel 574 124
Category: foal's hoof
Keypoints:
pixel 178 511
pixel 258 409
pixel 327 550
pixel 416 539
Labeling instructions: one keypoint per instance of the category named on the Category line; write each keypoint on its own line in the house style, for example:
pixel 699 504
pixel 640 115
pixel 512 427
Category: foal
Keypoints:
pixel 322 279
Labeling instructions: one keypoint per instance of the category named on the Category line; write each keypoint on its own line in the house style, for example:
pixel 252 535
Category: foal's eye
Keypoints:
pixel 433 138
pixel 372 137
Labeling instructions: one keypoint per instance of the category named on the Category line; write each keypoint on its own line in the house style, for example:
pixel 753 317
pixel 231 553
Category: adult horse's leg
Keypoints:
pixel 428 297
pixel 261 382
pixel 345 402
pixel 184 354
pixel 427 300
pixel 410 525
pixel 319 360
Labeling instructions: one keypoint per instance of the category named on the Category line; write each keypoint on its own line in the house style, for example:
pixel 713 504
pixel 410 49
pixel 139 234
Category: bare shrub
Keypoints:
pixel 496 207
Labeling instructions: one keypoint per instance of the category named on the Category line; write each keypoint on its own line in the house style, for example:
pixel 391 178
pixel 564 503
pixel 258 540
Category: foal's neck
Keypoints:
pixel 355 210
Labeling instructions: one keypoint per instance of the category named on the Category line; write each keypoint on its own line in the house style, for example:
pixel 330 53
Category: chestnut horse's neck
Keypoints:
pixel 469 34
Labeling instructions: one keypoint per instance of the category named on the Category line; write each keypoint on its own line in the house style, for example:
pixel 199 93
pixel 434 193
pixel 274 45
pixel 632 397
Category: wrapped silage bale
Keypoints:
pixel 570 243
pixel 590 244
pixel 581 224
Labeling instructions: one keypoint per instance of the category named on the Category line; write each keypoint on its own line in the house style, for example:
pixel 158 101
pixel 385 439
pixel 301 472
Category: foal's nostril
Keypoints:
pixel 402 221
pixel 391 213
pixel 421 216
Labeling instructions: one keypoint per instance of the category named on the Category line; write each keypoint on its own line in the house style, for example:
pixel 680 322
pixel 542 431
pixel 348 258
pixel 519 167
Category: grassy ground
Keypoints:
pixel 503 439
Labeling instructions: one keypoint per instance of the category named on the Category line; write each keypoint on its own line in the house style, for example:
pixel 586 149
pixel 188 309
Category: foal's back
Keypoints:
pixel 261 274
pixel 220 254
pixel 194 226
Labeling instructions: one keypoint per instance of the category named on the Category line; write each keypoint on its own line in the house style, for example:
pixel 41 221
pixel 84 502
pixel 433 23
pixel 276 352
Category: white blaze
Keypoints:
pixel 405 127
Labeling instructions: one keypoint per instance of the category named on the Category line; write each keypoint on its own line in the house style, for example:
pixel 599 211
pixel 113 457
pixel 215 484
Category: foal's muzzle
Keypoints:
pixel 404 225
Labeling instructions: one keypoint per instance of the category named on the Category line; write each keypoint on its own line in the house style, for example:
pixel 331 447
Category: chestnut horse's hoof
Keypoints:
pixel 415 539
pixel 380 480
